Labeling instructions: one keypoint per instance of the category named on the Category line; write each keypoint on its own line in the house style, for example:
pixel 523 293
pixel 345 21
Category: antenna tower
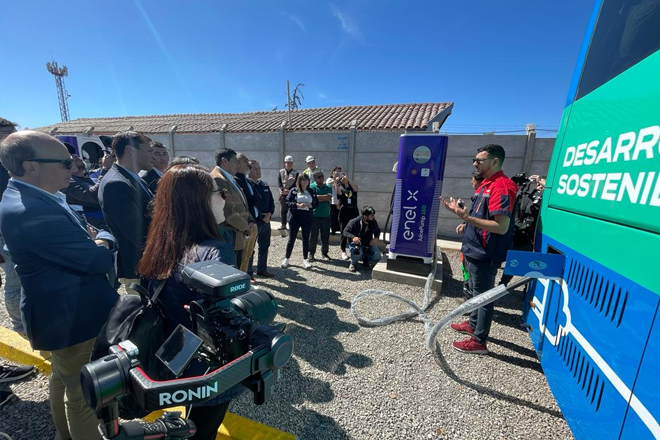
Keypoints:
pixel 62 94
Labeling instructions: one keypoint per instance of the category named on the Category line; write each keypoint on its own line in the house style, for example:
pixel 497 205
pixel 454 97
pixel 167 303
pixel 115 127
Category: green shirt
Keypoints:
pixel 323 208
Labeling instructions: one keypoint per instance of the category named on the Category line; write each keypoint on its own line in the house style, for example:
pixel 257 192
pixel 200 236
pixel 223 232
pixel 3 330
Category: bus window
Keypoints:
pixel 627 32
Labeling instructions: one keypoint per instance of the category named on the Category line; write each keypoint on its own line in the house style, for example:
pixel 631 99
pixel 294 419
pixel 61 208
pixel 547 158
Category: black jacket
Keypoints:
pixel 125 205
pixel 366 231
pixel 266 202
pixel 82 191
pixel 252 199
pixel 151 178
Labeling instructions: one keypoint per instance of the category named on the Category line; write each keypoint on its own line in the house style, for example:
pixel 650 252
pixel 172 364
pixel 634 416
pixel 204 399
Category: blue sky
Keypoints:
pixel 503 63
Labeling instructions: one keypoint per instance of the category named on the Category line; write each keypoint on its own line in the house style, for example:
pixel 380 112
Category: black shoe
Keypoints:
pixel 311 257
pixel 11 373
pixel 6 396
pixel 326 256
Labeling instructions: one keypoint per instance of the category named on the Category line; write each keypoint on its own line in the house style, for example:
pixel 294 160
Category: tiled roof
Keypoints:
pixel 369 118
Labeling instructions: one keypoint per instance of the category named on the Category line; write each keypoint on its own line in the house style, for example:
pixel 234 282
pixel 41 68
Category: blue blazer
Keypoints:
pixel 63 272
pixel 125 205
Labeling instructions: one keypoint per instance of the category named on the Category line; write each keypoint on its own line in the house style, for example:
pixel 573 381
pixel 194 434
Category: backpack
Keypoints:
pixel 138 319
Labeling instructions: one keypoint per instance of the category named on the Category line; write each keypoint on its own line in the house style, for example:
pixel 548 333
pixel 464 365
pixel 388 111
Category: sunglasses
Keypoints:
pixel 222 192
pixel 477 160
pixel 68 163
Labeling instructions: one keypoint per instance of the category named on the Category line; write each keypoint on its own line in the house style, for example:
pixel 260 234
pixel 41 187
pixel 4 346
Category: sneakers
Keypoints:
pixel 311 257
pixel 6 396
pixel 326 256
pixel 11 373
pixel 463 327
pixel 352 268
pixel 307 264
pixel 344 256
pixel 470 345
pixel 285 263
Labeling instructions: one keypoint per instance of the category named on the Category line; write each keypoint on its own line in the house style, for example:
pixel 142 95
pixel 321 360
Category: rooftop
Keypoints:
pixel 388 117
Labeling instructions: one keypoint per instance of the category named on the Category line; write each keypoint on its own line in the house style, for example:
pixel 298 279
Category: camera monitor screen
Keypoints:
pixel 179 349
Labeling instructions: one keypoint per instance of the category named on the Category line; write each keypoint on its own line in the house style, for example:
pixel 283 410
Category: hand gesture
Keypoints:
pixel 460 229
pixel 453 206
pixel 357 240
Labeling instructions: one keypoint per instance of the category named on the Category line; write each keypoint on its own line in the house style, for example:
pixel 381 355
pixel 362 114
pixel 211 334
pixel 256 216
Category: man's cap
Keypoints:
pixel 309 159
pixel 368 210
pixel 288 159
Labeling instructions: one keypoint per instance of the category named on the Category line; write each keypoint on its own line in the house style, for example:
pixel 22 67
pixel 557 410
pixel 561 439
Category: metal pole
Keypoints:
pixel 288 101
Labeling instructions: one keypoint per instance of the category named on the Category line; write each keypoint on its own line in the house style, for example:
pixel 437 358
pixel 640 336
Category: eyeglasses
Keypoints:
pixel 477 160
pixel 222 192
pixel 68 163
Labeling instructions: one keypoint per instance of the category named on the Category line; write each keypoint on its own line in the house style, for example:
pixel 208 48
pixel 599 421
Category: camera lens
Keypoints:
pixel 105 379
pixel 258 305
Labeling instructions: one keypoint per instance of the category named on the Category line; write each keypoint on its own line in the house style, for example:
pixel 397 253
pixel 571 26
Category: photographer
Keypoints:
pixel 528 206
pixel 363 232
pixel 348 206
pixel 334 210
pixel 188 207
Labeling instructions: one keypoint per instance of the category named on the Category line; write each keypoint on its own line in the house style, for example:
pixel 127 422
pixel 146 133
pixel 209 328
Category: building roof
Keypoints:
pixel 369 118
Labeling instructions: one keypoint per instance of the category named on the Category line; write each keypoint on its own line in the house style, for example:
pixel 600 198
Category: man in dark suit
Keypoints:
pixel 125 198
pixel 161 162
pixel 62 264
pixel 265 209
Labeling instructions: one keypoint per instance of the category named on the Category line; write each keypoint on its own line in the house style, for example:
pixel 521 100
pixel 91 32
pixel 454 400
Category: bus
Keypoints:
pixel 595 330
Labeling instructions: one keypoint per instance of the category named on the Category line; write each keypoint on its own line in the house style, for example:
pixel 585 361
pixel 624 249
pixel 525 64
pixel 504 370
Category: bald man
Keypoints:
pixel 62 264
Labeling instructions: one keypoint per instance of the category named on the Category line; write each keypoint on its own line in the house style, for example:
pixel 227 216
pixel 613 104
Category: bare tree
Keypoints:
pixel 296 99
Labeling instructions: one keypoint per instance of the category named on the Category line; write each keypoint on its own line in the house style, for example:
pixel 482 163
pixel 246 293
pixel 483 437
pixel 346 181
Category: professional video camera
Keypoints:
pixel 231 335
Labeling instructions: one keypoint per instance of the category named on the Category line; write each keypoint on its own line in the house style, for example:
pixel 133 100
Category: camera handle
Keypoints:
pixel 170 426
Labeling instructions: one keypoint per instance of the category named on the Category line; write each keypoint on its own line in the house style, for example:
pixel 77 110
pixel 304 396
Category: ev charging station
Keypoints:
pixel 420 172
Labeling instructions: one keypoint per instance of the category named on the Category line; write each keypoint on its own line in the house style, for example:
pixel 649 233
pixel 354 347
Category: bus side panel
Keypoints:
pixel 638 425
pixel 590 333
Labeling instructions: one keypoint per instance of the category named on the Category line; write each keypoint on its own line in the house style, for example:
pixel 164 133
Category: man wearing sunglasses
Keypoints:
pixel 62 264
pixel 487 237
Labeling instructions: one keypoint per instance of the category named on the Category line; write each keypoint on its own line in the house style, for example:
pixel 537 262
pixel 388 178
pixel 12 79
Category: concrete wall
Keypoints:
pixel 369 158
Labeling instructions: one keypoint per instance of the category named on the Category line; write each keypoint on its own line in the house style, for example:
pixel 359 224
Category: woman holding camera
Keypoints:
pixel 188 207
pixel 348 207
pixel 301 201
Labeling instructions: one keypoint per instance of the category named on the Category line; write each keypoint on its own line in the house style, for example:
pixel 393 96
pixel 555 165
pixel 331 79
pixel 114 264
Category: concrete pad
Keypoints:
pixel 17 349
pixel 449 245
pixel 380 272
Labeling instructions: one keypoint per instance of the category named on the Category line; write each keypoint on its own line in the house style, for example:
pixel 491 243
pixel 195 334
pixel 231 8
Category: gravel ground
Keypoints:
pixel 351 382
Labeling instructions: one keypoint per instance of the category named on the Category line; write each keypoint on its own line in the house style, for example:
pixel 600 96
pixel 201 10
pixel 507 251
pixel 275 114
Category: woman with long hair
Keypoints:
pixel 348 207
pixel 301 201
pixel 187 211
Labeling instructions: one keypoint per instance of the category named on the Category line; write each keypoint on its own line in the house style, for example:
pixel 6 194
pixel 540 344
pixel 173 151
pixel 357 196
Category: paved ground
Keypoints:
pixel 350 382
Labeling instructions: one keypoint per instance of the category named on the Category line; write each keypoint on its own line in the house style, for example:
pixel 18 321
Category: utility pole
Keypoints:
pixel 288 102
pixel 62 95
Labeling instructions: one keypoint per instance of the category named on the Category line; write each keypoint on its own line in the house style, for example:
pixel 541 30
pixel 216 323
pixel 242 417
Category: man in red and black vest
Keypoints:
pixel 487 237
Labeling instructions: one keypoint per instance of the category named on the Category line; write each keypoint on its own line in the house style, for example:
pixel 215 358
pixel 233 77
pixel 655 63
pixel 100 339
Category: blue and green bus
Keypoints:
pixel 595 332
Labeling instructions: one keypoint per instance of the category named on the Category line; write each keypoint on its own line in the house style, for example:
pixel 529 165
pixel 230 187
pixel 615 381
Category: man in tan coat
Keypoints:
pixel 238 221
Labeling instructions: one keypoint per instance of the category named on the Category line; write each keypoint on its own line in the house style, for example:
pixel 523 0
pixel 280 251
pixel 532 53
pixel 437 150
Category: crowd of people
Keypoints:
pixel 74 235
